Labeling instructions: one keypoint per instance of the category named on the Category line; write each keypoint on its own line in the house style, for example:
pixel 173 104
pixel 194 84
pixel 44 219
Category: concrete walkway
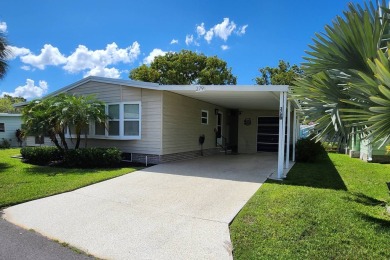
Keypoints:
pixel 177 210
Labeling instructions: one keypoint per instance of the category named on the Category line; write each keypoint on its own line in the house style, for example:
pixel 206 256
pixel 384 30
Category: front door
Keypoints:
pixel 219 129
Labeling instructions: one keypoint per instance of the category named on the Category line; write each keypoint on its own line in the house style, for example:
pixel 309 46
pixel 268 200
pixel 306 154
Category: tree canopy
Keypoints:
pixel 284 74
pixel 185 68
pixel 7 101
pixel 346 88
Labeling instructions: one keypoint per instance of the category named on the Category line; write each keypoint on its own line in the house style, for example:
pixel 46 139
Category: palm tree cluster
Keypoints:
pixel 346 87
pixel 4 54
pixel 54 116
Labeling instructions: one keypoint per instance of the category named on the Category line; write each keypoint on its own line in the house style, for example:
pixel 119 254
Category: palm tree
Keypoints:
pixel 53 115
pixel 4 54
pixel 334 89
pixel 78 112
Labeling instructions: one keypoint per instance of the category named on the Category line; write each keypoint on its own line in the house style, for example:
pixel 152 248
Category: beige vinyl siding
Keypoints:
pixel 11 123
pixel 151 106
pixel 182 123
pixel 247 135
pixel 30 141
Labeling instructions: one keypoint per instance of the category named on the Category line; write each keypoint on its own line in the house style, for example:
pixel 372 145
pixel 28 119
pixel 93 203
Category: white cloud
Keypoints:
pixel 209 35
pixel 224 29
pixel 84 59
pixel 3 27
pixel 200 30
pixel 16 52
pixel 25 67
pixel 189 39
pixel 29 90
pixel 174 41
pixel 49 56
pixel 154 53
pixel 103 72
pixel 242 30
pixel 90 62
pixel 224 47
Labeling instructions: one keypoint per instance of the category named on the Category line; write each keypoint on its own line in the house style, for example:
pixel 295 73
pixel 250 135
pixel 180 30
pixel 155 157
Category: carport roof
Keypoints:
pixel 252 97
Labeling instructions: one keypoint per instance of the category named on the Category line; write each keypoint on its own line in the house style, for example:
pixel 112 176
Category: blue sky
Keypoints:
pixel 56 43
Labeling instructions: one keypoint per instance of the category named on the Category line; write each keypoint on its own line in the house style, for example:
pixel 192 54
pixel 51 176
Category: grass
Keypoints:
pixel 332 209
pixel 20 182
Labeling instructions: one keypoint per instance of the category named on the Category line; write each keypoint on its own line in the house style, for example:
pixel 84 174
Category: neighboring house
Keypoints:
pixel 368 151
pixel 9 123
pixel 161 123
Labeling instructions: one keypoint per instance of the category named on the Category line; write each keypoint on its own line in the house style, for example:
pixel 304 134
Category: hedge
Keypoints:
pixel 307 150
pixel 41 155
pixel 93 157
pixel 80 158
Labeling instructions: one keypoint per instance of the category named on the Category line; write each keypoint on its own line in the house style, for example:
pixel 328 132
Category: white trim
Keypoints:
pixel 294 133
pixel 229 88
pixel 13 115
pixel 288 134
pixel 121 121
pixel 202 117
pixel 284 123
pixel 121 82
pixel 280 142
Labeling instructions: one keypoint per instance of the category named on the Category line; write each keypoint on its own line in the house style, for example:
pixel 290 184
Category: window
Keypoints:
pixel 124 122
pixel 113 120
pixel 2 127
pixel 131 119
pixel 204 117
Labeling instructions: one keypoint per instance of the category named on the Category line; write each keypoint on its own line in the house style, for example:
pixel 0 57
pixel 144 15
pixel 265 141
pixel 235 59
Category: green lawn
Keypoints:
pixel 20 182
pixel 333 209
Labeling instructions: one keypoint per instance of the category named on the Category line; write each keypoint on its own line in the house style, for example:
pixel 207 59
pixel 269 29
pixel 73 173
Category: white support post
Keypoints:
pixel 298 128
pixel 280 141
pixel 287 165
pixel 294 133
pixel 284 124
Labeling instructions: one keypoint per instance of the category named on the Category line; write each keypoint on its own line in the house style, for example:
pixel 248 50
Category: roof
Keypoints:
pixel 234 96
pixel 8 114
pixel 122 82
pixel 264 97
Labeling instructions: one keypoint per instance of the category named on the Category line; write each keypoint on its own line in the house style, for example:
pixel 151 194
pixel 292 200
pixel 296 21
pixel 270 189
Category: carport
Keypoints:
pixel 253 97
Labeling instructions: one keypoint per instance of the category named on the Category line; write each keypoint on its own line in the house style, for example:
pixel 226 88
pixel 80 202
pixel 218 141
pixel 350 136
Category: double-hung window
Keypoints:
pixel 114 119
pixel 123 123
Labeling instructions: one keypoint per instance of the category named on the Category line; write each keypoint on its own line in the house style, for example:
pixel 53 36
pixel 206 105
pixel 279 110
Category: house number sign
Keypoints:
pixel 200 89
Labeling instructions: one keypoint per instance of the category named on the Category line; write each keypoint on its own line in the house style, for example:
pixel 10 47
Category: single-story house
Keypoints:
pixel 9 123
pixel 367 150
pixel 161 123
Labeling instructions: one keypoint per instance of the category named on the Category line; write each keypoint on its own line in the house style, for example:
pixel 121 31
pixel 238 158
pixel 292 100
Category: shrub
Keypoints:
pixel 92 157
pixel 308 150
pixel 5 144
pixel 41 155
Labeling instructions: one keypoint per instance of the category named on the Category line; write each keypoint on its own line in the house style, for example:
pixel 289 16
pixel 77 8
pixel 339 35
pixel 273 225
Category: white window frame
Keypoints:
pixel 202 117
pixel 122 120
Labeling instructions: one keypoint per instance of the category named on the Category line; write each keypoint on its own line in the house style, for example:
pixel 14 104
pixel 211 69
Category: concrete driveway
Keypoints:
pixel 178 210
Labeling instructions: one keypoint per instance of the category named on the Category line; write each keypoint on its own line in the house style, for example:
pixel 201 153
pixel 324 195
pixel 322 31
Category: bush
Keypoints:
pixel 41 155
pixel 308 150
pixel 5 144
pixel 92 157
